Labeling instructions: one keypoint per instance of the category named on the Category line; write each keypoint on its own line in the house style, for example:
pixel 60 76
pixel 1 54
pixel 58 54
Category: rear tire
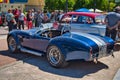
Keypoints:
pixel 55 57
pixel 12 45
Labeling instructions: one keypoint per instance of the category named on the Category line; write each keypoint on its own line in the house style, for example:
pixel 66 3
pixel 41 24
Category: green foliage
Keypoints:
pixel 104 5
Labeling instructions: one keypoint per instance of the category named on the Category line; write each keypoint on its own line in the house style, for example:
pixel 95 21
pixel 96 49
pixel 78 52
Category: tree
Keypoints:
pixel 99 4
pixel 82 4
pixel 76 4
pixel 58 4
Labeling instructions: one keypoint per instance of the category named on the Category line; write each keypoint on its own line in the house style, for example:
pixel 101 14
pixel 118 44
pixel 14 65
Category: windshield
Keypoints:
pixel 100 19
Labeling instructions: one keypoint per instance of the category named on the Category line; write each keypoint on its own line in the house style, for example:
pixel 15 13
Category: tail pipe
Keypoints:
pixel 95 60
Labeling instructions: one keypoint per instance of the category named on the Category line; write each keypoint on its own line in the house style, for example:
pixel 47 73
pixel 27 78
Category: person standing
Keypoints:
pixel 10 19
pixel 53 16
pixel 45 18
pixel 16 14
pixel 29 19
pixel 21 20
pixel 3 18
pixel 112 21
pixel 61 15
pixel 39 18
pixel 33 16
pixel 48 15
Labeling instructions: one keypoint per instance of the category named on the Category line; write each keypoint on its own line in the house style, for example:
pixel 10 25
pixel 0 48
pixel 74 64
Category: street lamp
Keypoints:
pixel 66 6
pixel 94 5
pixel 108 5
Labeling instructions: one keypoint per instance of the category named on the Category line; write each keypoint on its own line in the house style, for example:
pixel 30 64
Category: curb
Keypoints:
pixel 117 75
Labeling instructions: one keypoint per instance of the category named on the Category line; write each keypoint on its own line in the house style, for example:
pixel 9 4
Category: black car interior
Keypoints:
pixel 53 32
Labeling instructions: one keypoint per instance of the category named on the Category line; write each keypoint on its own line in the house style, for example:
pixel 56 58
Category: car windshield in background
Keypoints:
pixel 100 19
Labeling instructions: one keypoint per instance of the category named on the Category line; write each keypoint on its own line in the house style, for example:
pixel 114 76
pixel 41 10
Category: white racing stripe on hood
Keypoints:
pixel 96 39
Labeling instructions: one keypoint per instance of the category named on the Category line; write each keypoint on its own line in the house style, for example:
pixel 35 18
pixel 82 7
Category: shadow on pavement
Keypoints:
pixel 76 69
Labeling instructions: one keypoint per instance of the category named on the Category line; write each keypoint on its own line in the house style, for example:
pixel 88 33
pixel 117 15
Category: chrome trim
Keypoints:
pixel 31 52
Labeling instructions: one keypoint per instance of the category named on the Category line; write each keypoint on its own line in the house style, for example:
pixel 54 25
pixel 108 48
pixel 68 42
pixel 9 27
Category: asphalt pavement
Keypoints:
pixel 31 69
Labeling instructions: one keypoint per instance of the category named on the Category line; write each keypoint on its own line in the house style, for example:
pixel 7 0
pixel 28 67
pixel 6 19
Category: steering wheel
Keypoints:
pixel 65 28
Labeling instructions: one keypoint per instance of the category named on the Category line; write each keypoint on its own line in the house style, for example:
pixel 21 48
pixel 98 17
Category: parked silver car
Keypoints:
pixel 85 22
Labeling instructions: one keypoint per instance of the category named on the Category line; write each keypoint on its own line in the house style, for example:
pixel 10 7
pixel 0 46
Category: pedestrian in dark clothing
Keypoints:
pixel 3 18
pixel 53 17
pixel 11 21
pixel 112 21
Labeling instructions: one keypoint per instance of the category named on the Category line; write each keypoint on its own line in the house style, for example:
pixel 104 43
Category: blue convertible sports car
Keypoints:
pixel 60 46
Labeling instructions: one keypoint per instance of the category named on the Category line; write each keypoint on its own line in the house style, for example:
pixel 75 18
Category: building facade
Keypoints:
pixel 6 6
pixel 31 4
pixel 36 4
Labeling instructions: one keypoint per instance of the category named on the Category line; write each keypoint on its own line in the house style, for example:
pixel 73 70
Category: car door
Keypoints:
pixel 79 24
pixel 36 42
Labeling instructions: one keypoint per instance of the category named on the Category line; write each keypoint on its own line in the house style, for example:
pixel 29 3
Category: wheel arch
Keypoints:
pixel 66 44
pixel 14 35
pixel 59 47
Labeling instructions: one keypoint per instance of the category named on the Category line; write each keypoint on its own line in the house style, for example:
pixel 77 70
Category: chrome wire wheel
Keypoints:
pixel 12 44
pixel 54 55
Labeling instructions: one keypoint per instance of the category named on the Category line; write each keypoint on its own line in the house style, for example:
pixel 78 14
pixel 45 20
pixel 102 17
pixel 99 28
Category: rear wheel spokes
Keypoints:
pixel 12 44
pixel 54 55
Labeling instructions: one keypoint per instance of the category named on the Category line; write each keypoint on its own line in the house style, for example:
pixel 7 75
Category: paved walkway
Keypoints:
pixel 37 68
pixel 3 32
pixel 117 76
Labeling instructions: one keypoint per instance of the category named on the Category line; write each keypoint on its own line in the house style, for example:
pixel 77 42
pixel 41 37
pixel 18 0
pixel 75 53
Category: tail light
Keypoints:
pixel 91 51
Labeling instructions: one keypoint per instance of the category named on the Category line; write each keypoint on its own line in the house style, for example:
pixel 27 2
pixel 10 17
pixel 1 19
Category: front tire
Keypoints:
pixel 55 57
pixel 12 45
